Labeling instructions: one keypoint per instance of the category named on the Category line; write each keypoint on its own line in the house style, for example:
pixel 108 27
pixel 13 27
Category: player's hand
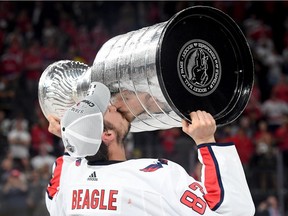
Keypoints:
pixel 54 125
pixel 202 128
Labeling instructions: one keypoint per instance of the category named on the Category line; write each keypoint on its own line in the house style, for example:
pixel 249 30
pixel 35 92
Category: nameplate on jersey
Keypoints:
pixel 93 199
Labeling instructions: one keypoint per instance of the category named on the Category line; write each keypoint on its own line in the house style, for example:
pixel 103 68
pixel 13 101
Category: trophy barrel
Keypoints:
pixel 197 60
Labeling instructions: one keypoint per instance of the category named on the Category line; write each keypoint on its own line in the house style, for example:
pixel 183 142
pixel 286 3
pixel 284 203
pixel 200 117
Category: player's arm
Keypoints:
pixel 52 191
pixel 226 189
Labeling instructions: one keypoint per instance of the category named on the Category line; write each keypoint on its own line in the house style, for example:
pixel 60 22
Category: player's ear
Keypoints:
pixel 108 135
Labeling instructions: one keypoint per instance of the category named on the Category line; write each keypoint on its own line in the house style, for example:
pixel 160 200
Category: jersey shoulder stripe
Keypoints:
pixel 212 182
pixel 55 180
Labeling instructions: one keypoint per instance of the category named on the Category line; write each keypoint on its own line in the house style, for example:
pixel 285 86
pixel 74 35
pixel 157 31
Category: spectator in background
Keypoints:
pixel 281 89
pixel 281 136
pixel 99 34
pixel 28 35
pixel 49 31
pixel 262 209
pixel 33 67
pixel 5 124
pixel 263 163
pixel 265 51
pixel 274 110
pixel 23 20
pixel 51 42
pixel 83 43
pixel 273 207
pixel 6 10
pixel 21 119
pixel 7 93
pixel 43 158
pixel 37 16
pixel 35 198
pixel 67 27
pixel 253 108
pixel 11 60
pixel 244 146
pixel 14 194
pixel 50 52
pixel 268 207
pixel 19 140
pixel 3 33
pixel 263 138
pixel 246 124
pixel 5 169
pixel 40 135
pixel 285 53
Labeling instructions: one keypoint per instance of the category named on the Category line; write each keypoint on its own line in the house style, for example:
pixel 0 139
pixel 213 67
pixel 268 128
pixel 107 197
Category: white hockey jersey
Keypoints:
pixel 152 187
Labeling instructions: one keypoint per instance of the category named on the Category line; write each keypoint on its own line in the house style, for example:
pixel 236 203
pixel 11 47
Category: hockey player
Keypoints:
pixel 105 183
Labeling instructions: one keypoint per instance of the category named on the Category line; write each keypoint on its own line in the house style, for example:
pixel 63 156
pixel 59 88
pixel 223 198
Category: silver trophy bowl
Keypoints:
pixel 57 87
pixel 197 60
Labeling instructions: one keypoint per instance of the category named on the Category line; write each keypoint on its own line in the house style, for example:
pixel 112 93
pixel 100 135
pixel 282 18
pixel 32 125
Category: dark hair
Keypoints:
pixel 121 133
pixel 122 139
pixel 101 155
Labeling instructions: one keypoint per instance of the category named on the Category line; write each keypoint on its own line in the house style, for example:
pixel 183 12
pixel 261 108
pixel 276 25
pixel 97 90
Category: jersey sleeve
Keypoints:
pixel 53 194
pixel 223 177
pixel 222 191
pixel 53 186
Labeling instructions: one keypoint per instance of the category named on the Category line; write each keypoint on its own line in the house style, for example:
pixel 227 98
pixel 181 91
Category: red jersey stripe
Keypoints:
pixel 212 182
pixel 55 180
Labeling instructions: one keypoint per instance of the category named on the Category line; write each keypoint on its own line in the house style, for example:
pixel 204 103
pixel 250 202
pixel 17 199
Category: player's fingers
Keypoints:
pixel 200 119
pixel 201 115
pixel 185 125
pixel 194 116
pixel 205 117
pixel 210 122
pixel 210 118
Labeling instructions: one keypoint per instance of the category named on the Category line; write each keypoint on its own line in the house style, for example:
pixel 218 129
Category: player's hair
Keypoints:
pixel 124 135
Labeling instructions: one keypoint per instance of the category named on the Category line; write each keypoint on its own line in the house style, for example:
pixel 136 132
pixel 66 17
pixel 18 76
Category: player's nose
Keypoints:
pixel 112 108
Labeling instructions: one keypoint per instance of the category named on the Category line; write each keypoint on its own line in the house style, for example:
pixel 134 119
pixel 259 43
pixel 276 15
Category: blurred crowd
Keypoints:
pixel 35 34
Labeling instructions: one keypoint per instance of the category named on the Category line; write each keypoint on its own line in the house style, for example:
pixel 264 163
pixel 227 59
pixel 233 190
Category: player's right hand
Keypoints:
pixel 202 128
pixel 54 125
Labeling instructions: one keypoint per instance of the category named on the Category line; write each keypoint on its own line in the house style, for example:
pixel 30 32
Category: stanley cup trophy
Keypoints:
pixel 197 60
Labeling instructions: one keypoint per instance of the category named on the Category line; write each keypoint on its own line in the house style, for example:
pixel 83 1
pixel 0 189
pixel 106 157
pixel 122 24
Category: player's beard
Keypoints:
pixel 101 155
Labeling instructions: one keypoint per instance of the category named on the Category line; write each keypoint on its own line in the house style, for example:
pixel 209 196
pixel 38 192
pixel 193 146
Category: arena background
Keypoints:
pixel 36 34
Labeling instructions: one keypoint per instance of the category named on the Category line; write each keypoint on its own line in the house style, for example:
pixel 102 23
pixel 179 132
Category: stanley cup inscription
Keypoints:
pixel 157 75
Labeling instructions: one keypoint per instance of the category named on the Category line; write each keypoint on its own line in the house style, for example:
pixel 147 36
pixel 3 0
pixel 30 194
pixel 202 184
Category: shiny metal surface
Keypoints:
pixel 143 77
pixel 127 65
pixel 57 89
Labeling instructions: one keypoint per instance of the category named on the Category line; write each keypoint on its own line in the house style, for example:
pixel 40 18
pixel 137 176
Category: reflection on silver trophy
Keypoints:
pixel 157 75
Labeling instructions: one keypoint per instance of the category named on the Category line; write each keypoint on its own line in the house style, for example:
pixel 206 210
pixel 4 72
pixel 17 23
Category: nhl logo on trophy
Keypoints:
pixel 199 67
pixel 198 59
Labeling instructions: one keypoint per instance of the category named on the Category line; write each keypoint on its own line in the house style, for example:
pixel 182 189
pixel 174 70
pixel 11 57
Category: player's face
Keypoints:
pixel 116 120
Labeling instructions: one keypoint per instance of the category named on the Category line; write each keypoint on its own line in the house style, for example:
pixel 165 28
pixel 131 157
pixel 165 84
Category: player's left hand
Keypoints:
pixel 202 128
